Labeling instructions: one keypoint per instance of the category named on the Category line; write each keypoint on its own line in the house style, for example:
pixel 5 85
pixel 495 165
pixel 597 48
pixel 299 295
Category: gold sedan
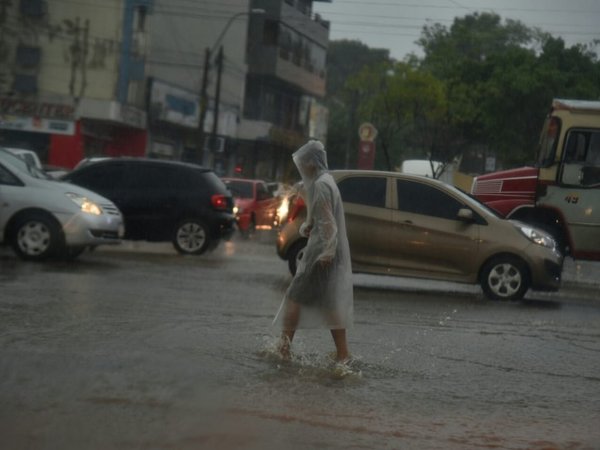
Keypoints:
pixel 414 226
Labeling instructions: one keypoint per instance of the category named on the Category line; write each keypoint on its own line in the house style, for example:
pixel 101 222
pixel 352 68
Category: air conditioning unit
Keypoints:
pixel 216 145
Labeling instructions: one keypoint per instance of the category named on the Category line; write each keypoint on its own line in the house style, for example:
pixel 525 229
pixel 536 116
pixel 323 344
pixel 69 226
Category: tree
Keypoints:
pixel 406 105
pixel 483 82
pixel 345 58
pixel 500 79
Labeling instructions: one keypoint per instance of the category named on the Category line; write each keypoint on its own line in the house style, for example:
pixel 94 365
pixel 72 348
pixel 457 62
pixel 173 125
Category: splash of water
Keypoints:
pixel 309 365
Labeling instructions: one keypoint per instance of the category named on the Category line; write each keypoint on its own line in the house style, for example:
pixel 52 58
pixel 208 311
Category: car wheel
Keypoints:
pixel 505 278
pixel 36 236
pixel 191 237
pixel 295 254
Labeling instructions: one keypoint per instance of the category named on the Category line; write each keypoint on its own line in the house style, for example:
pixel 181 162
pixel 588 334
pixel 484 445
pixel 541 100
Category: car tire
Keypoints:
pixel 505 278
pixel 36 236
pixel 295 254
pixel 191 237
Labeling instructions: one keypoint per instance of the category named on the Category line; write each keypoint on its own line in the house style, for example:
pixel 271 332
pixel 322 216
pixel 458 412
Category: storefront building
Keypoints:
pixel 72 79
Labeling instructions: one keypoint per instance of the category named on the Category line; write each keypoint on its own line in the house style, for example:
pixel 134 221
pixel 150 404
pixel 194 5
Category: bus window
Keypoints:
pixel 548 140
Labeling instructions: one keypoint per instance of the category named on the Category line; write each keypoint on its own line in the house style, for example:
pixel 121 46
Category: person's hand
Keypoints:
pixel 305 229
pixel 325 262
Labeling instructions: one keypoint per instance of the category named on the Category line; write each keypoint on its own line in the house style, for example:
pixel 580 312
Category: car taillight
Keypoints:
pixel 295 209
pixel 219 201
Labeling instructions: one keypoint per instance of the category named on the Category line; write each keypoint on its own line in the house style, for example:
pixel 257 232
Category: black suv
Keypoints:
pixel 163 200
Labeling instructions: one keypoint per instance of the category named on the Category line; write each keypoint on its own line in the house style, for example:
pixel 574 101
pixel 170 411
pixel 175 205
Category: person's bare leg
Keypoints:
pixel 290 322
pixel 341 345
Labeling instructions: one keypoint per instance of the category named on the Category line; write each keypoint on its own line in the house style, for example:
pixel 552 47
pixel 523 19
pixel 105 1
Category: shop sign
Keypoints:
pixel 174 105
pixel 37 125
pixel 112 111
pixel 47 110
pixel 161 148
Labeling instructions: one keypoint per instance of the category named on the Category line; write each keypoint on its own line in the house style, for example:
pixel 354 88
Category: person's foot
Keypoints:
pixel 284 350
pixel 343 358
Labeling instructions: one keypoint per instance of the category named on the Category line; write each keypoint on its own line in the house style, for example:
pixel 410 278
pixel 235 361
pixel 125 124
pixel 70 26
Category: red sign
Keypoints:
pixel 366 155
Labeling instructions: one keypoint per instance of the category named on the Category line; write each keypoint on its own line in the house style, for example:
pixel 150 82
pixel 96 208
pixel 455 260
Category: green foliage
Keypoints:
pixel 346 58
pixel 482 82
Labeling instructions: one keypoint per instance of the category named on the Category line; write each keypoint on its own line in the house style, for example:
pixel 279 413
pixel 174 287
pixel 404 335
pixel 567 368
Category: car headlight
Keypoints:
pixel 538 237
pixel 236 210
pixel 86 205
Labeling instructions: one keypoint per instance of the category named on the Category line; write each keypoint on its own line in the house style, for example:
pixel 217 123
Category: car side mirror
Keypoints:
pixel 466 215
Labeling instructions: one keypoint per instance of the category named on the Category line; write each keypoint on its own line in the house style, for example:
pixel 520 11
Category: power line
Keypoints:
pixel 437 6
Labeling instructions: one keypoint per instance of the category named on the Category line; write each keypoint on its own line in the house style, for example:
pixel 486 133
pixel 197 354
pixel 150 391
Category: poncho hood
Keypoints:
pixel 311 161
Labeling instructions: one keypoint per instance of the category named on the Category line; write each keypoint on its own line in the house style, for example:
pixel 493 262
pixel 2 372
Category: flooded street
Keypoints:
pixel 140 348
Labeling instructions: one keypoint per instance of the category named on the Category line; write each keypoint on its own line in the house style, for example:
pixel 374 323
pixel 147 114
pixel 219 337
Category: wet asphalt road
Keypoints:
pixel 139 348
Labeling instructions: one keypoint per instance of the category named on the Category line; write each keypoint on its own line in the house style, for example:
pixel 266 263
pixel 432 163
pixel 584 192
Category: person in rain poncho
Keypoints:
pixel 320 294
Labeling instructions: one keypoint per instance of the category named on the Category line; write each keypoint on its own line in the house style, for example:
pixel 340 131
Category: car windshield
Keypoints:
pixel 21 165
pixel 240 189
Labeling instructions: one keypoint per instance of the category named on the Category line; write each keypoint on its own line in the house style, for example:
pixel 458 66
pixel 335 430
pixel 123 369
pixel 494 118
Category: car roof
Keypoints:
pixel 245 180
pixel 136 160
pixel 407 176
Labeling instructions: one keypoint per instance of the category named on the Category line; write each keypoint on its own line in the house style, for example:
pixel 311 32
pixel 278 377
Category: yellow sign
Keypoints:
pixel 367 132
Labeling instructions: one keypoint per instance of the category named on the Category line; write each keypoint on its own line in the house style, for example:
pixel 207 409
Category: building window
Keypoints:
pixel 301 50
pixel 25 84
pixel 33 8
pixel 28 57
pixel 304 6
pixel 142 11
pixel 270 32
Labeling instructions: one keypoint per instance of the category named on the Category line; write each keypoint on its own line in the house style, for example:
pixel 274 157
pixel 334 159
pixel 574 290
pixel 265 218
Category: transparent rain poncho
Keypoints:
pixel 322 285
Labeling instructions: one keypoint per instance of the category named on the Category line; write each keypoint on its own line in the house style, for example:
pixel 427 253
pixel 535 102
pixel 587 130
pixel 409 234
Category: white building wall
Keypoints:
pixel 60 34
pixel 97 78
pixel 180 31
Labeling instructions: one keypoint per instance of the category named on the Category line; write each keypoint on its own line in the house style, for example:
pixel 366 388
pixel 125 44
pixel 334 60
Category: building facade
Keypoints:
pixel 72 81
pixel 183 60
pixel 251 76
pixel 235 86
pixel 285 86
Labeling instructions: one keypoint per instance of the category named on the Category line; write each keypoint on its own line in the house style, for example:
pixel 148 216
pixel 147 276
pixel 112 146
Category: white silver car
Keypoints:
pixel 41 217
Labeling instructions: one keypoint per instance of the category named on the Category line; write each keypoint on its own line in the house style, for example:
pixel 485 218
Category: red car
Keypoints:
pixel 255 206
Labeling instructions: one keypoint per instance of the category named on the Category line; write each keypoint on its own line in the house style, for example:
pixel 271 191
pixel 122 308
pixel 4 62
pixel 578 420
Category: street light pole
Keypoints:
pixel 203 89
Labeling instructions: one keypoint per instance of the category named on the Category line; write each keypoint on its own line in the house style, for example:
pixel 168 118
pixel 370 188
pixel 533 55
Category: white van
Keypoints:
pixel 423 167
pixel 41 217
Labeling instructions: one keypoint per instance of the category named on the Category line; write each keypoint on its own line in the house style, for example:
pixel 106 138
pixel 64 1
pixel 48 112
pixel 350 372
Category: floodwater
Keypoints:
pixel 140 348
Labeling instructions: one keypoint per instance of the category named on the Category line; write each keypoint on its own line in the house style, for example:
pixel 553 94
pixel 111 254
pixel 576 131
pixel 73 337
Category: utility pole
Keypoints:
pixel 203 104
pixel 215 125
pixel 203 95
pixel 351 126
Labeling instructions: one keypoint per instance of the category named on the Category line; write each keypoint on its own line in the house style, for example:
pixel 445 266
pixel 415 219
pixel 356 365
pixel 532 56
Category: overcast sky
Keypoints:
pixel 396 24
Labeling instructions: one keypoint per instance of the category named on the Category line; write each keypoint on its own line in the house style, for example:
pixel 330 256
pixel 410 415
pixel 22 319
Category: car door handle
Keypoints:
pixel 407 222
